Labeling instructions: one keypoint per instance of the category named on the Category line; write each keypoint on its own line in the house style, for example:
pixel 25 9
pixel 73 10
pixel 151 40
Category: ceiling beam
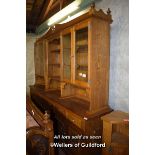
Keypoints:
pixel 45 9
pixel 33 5
pixel 35 11
pixel 61 4
pixel 55 6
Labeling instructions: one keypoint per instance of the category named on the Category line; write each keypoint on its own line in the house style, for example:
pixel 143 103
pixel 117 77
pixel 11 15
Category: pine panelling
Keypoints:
pixel 99 67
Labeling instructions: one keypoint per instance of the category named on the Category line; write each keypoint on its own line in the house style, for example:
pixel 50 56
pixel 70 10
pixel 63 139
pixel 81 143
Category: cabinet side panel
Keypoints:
pixel 39 63
pixel 46 64
pixel 99 64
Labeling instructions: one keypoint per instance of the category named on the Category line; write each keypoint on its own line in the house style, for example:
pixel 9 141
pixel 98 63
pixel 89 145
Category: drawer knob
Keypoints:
pixel 85 118
pixel 32 112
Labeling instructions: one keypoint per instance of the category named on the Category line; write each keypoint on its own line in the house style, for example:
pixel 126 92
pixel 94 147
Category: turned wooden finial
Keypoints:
pixel 93 5
pixel 108 11
pixel 47 122
pixel 92 8
pixel 46 116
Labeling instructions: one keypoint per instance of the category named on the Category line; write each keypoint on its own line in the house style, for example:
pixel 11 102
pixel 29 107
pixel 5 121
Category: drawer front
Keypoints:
pixel 62 111
pixel 74 119
pixel 61 127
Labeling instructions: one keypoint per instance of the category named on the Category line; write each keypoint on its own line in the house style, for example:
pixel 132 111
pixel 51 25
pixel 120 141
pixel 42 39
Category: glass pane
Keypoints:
pixel 67 56
pixel 81 55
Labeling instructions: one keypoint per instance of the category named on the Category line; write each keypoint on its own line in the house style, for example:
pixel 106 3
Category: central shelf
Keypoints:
pixel 55 50
pixel 57 78
pixel 56 64
pixel 82 67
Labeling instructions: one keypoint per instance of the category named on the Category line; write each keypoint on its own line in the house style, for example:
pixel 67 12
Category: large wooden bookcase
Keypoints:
pixel 75 59
pixel 72 63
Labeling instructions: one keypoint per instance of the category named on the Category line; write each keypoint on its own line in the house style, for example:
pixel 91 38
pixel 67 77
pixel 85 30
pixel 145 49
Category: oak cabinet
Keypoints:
pixel 72 62
pixel 74 58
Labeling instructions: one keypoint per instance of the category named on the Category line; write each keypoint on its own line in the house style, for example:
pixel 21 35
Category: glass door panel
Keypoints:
pixel 67 56
pixel 81 54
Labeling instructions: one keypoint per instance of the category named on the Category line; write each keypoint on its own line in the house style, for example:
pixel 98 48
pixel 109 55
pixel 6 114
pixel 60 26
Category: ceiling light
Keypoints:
pixel 74 16
pixel 64 12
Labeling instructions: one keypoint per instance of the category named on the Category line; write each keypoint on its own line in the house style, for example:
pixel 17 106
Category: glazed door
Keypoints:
pixel 66 55
pixel 81 64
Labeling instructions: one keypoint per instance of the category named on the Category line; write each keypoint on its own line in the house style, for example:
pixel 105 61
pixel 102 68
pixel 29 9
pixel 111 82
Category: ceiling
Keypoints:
pixel 37 11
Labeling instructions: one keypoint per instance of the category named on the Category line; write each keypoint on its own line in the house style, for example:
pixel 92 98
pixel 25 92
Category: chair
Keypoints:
pixel 39 138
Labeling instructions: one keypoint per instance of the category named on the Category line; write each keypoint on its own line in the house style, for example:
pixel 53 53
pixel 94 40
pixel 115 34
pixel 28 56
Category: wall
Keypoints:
pixel 30 72
pixel 119 53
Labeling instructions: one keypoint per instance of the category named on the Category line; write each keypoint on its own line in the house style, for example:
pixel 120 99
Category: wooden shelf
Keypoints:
pixel 55 51
pixel 57 78
pixel 42 76
pixel 66 49
pixel 82 42
pixel 82 67
pixel 55 41
pixel 67 65
pixel 56 64
pixel 82 49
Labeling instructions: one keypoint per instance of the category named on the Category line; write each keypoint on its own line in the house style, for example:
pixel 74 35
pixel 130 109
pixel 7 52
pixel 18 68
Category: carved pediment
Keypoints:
pixel 100 13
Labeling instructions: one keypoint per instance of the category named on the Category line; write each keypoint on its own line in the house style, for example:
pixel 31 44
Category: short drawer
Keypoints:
pixel 62 111
pixel 74 119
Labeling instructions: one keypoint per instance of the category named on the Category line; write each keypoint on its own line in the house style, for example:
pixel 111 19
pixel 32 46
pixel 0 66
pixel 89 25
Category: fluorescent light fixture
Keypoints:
pixel 64 12
pixel 74 16
pixel 61 17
